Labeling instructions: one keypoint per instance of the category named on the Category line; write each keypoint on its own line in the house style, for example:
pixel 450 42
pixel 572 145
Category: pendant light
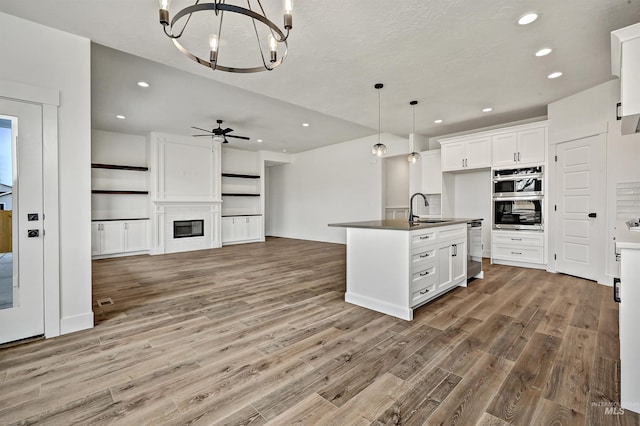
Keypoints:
pixel 414 156
pixel 379 149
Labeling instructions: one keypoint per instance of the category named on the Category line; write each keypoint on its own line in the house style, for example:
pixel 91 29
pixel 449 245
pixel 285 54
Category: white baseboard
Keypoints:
pixel 76 323
pixel 379 306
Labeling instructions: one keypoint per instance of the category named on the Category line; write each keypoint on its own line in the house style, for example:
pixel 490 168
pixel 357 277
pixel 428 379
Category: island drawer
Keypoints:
pixel 419 239
pixel 422 258
pixel 422 294
pixel 424 277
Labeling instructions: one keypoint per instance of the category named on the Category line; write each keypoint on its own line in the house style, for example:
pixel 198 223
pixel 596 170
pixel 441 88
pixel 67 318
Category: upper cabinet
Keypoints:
pixel 431 172
pixel 465 154
pixel 518 148
pixel 517 145
pixel 625 63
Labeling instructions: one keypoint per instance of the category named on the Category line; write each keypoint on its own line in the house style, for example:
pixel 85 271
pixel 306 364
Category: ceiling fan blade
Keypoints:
pixel 196 136
pixel 225 140
pixel 238 137
pixel 198 128
pixel 227 130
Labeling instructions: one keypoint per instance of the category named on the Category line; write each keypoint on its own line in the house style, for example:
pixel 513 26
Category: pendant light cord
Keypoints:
pixel 379 116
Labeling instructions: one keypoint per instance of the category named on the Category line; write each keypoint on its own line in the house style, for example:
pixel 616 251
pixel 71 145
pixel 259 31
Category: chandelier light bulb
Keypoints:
pixel 273 47
pixel 213 45
pixel 164 4
pixel 164 13
pixel 288 19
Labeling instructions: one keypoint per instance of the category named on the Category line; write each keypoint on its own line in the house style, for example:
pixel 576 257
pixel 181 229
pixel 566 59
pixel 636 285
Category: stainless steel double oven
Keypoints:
pixel 518 197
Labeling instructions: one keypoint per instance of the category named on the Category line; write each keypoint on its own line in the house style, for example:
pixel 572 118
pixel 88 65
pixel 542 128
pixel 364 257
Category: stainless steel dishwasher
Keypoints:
pixel 474 248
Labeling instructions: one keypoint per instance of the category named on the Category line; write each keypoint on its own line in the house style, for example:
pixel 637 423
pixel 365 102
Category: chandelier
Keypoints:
pixel 175 28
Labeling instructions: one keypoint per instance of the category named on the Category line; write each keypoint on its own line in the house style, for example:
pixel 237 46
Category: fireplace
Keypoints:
pixel 188 228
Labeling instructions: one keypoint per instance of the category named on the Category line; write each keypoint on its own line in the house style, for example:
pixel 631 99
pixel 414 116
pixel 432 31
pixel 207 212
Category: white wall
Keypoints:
pixel 396 178
pixel 333 184
pixel 585 114
pixel 40 56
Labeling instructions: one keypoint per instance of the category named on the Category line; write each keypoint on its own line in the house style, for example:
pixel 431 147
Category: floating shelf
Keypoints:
pixel 109 191
pixel 235 175
pixel 236 194
pixel 113 220
pixel 118 167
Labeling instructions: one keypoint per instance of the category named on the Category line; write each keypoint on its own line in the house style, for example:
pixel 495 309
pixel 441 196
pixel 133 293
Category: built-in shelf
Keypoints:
pixel 125 219
pixel 236 175
pixel 110 191
pixel 118 167
pixel 238 194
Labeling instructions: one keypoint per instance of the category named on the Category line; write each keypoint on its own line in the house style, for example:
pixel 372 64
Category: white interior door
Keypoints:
pixel 581 206
pixel 22 278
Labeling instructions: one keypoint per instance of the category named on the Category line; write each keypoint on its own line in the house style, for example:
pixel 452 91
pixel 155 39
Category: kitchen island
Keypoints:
pixel 394 266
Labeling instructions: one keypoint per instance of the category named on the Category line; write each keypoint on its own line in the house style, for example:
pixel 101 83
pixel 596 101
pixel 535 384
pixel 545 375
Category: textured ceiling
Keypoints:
pixel 454 57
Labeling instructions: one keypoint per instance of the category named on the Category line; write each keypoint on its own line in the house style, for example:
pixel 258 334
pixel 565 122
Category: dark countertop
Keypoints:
pixel 402 224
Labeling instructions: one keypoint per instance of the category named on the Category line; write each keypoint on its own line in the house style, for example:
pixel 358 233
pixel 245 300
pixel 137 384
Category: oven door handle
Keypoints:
pixel 523 198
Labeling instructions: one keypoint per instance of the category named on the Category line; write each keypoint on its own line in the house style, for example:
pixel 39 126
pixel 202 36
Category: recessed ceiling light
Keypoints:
pixel 284 150
pixel 143 84
pixel 305 124
pixel 543 52
pixel 120 116
pixel 438 121
pixel 528 18
pixel 554 74
pixel 259 140
pixel 487 109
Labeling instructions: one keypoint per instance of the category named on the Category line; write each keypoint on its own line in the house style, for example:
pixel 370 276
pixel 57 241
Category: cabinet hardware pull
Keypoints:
pixel 455 249
pixel 514 157
pixel 424 255
pixel 518 156
pixel 515 252
pixel 516 239
pixel 424 237
pixel 425 291
pixel 616 290
pixel 424 274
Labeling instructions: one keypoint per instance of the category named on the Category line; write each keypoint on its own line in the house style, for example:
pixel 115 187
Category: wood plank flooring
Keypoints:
pixel 260 334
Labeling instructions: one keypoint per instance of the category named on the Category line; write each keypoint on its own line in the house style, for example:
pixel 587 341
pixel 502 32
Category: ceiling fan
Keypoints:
pixel 219 134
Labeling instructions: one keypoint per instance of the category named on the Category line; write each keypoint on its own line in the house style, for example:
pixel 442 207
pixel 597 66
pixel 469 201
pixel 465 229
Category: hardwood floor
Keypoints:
pixel 260 334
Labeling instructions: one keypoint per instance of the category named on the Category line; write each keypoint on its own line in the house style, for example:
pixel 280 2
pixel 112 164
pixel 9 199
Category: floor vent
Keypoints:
pixel 105 301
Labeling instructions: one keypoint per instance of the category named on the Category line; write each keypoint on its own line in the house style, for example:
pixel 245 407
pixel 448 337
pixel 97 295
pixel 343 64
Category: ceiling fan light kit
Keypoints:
pixel 276 35
pixel 219 134
pixel 379 149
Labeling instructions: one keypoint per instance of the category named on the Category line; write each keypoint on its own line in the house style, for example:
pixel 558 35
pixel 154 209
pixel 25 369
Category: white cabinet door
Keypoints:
pixel 254 228
pixel 459 261
pixel 453 155
pixel 136 235
pixel 227 229
pixel 96 238
pixel 504 149
pixel 478 153
pixel 431 172
pixel 112 240
pixel 531 145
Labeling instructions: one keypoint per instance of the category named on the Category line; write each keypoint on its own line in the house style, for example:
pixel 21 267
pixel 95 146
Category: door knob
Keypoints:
pixel 593 214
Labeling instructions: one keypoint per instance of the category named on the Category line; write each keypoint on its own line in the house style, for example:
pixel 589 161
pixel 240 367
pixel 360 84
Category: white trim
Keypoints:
pixel 25 92
pixel 585 130
pixel 397 311
pixel 76 323
pixel 50 100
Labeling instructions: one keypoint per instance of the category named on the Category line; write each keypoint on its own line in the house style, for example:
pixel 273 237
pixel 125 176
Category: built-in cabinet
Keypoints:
pixel 241 229
pixel 119 237
pixel 523 147
pixel 465 154
pixel 431 164
pixel 518 246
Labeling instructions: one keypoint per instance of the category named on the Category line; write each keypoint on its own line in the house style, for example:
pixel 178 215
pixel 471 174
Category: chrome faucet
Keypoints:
pixel 426 203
